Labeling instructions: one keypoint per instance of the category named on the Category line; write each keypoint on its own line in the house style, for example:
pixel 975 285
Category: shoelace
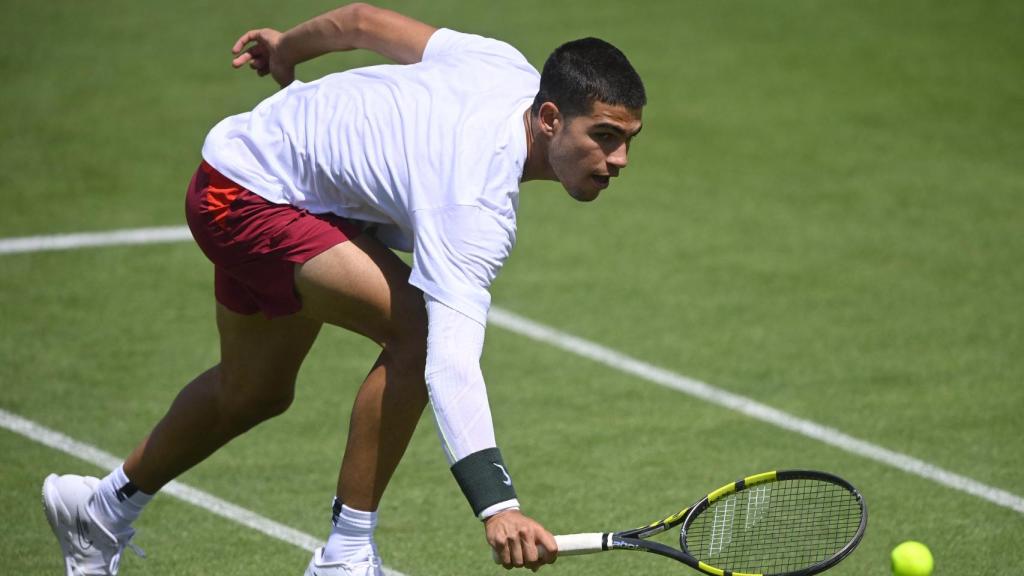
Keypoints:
pixel 115 561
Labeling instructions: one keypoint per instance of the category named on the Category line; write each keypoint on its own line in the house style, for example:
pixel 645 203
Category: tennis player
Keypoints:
pixel 299 204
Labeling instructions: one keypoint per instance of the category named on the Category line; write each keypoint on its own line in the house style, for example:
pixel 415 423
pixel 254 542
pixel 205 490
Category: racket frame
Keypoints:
pixel 635 539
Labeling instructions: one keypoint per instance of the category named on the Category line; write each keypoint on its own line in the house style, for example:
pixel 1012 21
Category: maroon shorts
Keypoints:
pixel 255 244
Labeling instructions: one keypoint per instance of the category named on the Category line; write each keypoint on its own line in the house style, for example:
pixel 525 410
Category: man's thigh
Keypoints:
pixel 260 355
pixel 362 286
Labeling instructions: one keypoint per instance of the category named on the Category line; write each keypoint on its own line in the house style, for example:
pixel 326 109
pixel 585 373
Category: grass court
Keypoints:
pixel 824 214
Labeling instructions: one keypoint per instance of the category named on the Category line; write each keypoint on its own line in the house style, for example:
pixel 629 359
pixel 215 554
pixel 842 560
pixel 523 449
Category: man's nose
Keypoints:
pixel 619 157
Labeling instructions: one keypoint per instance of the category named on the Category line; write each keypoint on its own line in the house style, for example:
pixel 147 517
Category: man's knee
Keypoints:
pixel 257 398
pixel 407 342
pixel 405 332
pixel 405 353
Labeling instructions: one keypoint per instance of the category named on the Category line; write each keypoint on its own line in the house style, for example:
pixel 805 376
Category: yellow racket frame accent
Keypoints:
pixel 707 569
pixel 746 482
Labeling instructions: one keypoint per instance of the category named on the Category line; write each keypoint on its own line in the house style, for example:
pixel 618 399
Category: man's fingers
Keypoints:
pixel 515 551
pixel 244 39
pixel 533 555
pixel 525 551
pixel 255 53
pixel 240 61
pixel 250 49
pixel 511 554
pixel 530 552
pixel 519 541
pixel 547 547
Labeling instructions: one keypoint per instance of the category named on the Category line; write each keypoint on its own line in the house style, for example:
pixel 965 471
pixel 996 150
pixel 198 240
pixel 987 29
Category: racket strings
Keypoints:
pixel 774 528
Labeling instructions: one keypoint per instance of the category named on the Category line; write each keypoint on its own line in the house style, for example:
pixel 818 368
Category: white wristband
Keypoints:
pixel 499 507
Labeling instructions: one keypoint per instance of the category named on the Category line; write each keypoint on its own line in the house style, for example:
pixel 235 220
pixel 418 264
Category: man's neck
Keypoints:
pixel 536 166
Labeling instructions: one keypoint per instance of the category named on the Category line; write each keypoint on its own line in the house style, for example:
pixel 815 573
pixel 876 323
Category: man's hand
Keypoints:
pixel 263 55
pixel 520 542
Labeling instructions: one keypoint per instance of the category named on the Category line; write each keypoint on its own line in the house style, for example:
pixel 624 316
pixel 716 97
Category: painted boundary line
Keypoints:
pixel 89 239
pixel 105 460
pixel 617 361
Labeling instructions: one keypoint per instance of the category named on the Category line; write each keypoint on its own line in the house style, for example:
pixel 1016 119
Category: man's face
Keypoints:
pixel 589 150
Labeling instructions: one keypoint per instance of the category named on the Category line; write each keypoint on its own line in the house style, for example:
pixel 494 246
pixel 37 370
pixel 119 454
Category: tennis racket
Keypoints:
pixel 780 523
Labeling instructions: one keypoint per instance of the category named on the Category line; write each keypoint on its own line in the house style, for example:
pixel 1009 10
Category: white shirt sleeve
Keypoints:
pixel 446 41
pixel 457 255
pixel 458 395
pixel 456 384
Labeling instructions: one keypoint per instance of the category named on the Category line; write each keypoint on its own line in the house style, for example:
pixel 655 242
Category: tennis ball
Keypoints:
pixel 912 559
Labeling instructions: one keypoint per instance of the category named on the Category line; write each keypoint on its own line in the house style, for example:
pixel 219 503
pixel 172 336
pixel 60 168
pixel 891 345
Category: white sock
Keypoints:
pixel 351 534
pixel 117 503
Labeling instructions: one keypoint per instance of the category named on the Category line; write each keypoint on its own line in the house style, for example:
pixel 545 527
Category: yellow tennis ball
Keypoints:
pixel 912 559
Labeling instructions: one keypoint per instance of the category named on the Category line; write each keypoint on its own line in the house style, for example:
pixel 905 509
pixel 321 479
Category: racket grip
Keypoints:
pixel 575 544
pixel 572 544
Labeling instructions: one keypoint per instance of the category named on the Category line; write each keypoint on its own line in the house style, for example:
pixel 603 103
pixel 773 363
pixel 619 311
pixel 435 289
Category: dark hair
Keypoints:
pixel 585 71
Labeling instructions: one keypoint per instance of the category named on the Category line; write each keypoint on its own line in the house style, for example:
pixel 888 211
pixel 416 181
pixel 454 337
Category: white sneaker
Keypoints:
pixel 89 548
pixel 317 567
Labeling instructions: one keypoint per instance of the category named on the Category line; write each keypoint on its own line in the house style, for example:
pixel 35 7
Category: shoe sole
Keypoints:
pixel 51 500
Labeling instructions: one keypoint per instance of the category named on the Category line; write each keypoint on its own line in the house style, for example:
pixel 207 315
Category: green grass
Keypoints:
pixel 823 213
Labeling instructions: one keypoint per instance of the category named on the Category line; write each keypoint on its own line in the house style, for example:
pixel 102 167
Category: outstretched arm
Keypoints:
pixel 459 399
pixel 353 26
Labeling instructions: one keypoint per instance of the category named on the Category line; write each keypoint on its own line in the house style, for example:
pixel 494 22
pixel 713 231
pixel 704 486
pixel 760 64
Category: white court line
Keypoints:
pixel 88 239
pixel 628 365
pixel 184 492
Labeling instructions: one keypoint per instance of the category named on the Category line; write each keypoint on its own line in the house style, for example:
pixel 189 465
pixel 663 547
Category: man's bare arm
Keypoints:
pixel 353 26
pixel 388 33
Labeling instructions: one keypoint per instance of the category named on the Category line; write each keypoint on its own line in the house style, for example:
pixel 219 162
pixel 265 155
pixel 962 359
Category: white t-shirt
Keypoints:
pixel 431 153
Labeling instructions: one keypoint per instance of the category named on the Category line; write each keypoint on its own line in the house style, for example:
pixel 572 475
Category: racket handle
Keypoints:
pixel 575 544
pixel 572 544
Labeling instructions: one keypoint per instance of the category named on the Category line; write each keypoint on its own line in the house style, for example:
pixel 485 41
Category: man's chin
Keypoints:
pixel 584 196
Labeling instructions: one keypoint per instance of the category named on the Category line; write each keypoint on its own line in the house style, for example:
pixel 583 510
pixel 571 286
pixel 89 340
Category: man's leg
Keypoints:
pixel 362 286
pixel 389 403
pixel 254 381
pixel 359 285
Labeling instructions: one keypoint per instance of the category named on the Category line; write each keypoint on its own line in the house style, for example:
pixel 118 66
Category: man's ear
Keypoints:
pixel 550 119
